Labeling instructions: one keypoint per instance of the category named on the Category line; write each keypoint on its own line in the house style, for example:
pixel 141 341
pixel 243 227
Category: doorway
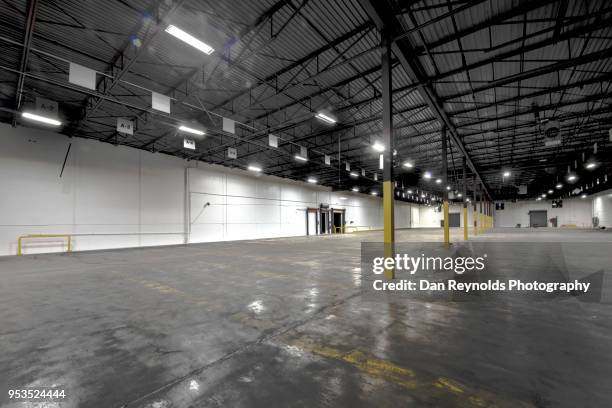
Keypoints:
pixel 338 221
pixel 538 218
pixel 312 222
pixel 324 222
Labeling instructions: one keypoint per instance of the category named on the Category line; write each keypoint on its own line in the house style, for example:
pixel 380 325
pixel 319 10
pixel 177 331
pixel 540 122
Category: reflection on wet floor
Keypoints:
pixel 275 323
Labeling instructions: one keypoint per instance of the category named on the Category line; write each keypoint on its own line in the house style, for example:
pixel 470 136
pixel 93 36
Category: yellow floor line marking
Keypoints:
pixel 426 387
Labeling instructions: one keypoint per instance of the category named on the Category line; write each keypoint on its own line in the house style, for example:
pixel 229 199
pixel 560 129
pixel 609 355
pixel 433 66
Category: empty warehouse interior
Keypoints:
pixel 305 203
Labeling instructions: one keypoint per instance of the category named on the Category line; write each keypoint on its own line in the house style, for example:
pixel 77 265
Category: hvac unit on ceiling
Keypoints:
pixel 552 132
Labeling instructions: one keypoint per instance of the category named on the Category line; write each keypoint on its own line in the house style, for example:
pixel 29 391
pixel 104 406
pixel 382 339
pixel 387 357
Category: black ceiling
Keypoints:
pixel 491 71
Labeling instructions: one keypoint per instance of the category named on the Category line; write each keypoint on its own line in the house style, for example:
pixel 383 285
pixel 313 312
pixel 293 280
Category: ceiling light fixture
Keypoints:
pixel 355 189
pixel 342 198
pixel 189 39
pixel 427 175
pixel 506 174
pixel 300 158
pixel 312 180
pixel 252 167
pixel 325 118
pixel 378 147
pixel 408 165
pixel 374 193
pixel 583 196
pixel 41 119
pixel 191 130
pixel 571 177
pixel 591 165
pixel 550 191
pixel 438 181
pixel 559 186
pixel 353 174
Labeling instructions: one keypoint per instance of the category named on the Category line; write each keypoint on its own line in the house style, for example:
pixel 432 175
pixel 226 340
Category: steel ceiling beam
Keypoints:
pixel 310 56
pixel 119 66
pixel 25 54
pixel 598 24
pixel 382 14
pixel 524 7
pixel 547 69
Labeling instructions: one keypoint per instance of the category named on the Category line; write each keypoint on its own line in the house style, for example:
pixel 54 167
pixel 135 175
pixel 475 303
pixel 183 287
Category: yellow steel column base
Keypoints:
pixel 389 226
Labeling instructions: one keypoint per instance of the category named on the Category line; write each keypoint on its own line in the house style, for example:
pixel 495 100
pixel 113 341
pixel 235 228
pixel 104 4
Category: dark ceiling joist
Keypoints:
pixel 383 16
pixel 127 57
pixel 524 7
pixel 310 56
pixel 25 54
pixel 547 69
pixel 599 24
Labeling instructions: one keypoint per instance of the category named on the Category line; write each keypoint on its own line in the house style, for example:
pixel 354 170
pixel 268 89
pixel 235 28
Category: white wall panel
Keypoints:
pixel 574 211
pixel 123 197
pixel 602 208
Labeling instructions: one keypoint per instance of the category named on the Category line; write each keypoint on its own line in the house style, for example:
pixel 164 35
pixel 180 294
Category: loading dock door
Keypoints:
pixel 538 219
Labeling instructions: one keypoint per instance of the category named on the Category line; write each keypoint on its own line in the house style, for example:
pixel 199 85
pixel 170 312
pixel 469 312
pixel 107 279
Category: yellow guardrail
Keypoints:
pixel 350 229
pixel 34 236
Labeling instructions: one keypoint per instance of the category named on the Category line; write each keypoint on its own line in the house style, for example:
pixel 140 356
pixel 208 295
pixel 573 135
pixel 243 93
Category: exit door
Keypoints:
pixel 312 222
pixel 538 219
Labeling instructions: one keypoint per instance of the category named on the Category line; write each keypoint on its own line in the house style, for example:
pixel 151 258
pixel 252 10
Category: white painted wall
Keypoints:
pixel 430 218
pixel 602 208
pixel 126 197
pixel 576 211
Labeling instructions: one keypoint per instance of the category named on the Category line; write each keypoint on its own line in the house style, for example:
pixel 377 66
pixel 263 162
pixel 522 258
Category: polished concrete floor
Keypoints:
pixel 282 323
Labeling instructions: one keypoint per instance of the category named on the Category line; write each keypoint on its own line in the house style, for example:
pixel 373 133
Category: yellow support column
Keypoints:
pixel 387 136
pixel 389 227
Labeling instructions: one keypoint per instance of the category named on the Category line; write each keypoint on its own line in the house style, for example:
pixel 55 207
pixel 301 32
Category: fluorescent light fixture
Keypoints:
pixel 583 196
pixel 559 186
pixel 506 174
pixel 312 180
pixel 544 195
pixel 571 177
pixel 409 191
pixel 41 119
pixel 191 130
pixel 408 165
pixel 591 165
pixel 550 191
pixel 353 174
pixel 254 168
pixel 543 160
pixel 378 147
pixel 438 181
pixel 423 196
pixel 459 195
pixel 325 118
pixel 300 158
pixel 448 187
pixel 427 175
pixel 374 193
pixel 539 199
pixel 342 198
pixel 189 39
pixel 355 189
